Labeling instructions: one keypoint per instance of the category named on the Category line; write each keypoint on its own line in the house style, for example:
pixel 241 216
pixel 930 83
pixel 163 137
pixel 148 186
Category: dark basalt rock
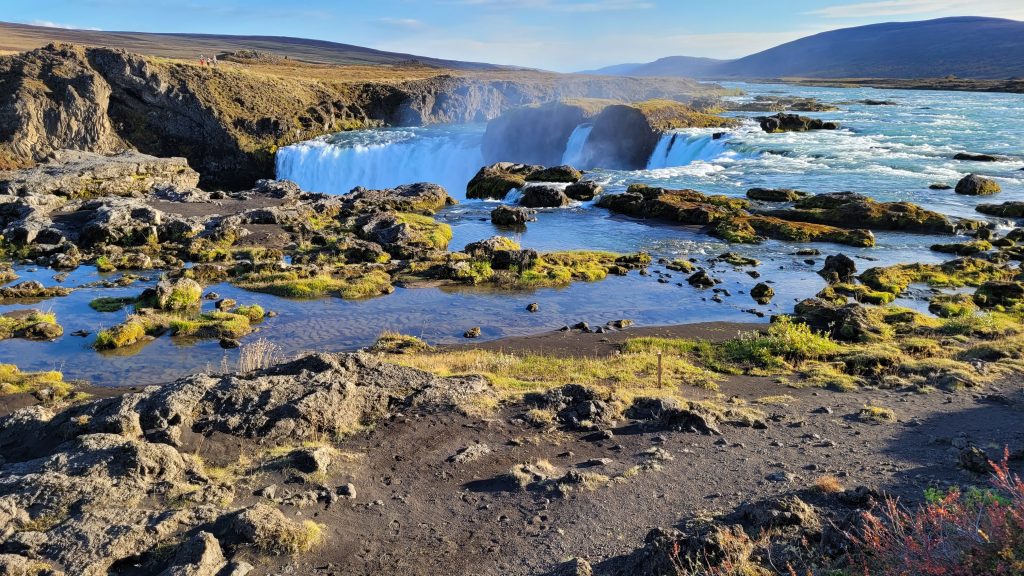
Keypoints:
pixel 838 268
pixel 775 194
pixel 996 293
pixel 512 216
pixel 976 157
pixel 762 293
pixel 849 323
pixel 974 185
pixel 794 123
pixel 541 196
pixel 583 191
pixel 1012 209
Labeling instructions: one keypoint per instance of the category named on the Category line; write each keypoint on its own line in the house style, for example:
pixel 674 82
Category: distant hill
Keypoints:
pixel 687 66
pixel 22 37
pixel 967 47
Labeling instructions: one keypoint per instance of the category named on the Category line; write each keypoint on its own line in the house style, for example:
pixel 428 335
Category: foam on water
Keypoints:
pixel 683 148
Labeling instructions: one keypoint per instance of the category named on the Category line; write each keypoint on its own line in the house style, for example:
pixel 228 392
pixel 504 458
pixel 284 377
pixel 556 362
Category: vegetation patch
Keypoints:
pixel 14 381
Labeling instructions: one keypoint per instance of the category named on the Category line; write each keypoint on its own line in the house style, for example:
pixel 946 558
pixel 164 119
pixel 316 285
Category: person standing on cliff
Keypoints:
pixel 202 60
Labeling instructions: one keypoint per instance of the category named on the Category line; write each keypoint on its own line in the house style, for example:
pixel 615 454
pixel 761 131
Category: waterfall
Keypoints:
pixel 383 159
pixel 573 155
pixel 681 149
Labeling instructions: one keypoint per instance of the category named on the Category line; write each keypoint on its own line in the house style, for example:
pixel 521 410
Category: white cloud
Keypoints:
pixel 401 23
pixel 882 8
pixel 49 24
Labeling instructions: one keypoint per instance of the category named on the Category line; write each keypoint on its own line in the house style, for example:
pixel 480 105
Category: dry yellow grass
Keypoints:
pixel 828 484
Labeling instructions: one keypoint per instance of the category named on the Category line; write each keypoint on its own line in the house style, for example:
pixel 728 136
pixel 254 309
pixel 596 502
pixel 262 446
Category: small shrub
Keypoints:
pixel 951 534
pixel 877 414
pixel 828 484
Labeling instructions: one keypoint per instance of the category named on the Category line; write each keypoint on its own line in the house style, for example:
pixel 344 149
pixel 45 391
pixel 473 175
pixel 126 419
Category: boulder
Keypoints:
pixel 576 407
pixel 974 185
pixel 794 123
pixel 583 191
pixel 975 157
pixel 564 174
pixel 177 295
pixel 849 322
pixel 421 198
pixel 1012 209
pixel 701 279
pixel 671 414
pixel 997 293
pixel 541 196
pixel 494 182
pixel 200 555
pixel 512 216
pixel 775 194
pixel 762 293
pixel 839 268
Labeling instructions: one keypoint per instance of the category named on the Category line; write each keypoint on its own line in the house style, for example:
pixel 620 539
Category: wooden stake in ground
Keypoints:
pixel 659 369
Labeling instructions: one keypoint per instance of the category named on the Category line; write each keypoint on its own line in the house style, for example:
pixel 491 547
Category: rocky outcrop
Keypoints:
pixel 106 481
pixel 536 134
pixel 794 123
pixel 228 123
pixel 621 135
pixel 494 182
pixel 624 136
pixel 728 218
pixel 76 174
pixel 841 208
pixel 775 194
pixel 1012 209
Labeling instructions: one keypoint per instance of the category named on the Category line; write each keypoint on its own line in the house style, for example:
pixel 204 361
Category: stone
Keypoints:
pixel 541 196
pixel 701 279
pixel 762 293
pixel 200 555
pixel 532 307
pixel 312 460
pixel 575 407
pixel 775 194
pixel 974 185
pixel 794 123
pixel 472 332
pixel 583 191
pixel 470 453
pixel 975 157
pixel 839 268
pixel 512 215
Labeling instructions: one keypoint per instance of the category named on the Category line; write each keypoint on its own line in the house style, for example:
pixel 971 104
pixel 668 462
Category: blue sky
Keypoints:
pixel 562 35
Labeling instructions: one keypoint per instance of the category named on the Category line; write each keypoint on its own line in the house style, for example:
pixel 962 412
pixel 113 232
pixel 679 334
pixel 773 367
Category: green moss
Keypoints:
pixel 838 292
pixel 103 264
pixel 963 248
pixel 426 230
pixel 395 343
pixel 253 312
pixel 359 284
pixel 184 294
pixel 120 336
pixel 212 325
pixel 110 304
pixel 12 326
pixel 14 381
pixel 952 305
pixel 955 273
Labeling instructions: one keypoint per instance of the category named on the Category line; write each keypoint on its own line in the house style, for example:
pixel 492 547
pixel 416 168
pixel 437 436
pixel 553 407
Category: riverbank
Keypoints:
pixel 950 84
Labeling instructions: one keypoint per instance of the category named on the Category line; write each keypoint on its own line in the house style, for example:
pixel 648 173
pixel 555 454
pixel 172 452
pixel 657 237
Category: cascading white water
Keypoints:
pixel 681 149
pixel 383 159
pixel 573 155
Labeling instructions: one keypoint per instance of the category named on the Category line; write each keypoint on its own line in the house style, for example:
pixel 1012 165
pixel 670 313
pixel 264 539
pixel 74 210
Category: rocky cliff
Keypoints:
pixel 228 121
pixel 623 135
